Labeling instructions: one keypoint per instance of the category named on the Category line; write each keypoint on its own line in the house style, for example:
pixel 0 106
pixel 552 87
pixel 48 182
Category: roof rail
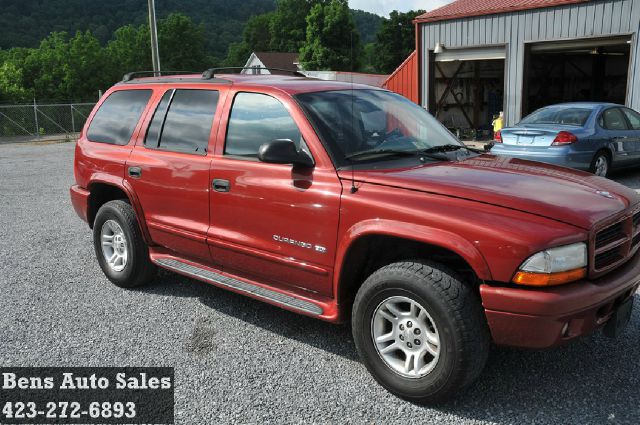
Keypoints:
pixel 130 75
pixel 210 73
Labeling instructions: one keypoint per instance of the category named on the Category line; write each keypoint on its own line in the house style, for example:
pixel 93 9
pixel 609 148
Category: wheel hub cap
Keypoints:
pixel 601 166
pixel 405 337
pixel 114 245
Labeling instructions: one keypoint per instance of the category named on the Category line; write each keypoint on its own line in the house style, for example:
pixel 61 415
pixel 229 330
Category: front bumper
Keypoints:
pixel 542 318
pixel 564 156
pixel 80 201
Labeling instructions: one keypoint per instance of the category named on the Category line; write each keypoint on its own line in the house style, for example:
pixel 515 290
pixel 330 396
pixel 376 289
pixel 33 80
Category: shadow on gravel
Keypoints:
pixel 332 338
pixel 595 372
pixel 516 386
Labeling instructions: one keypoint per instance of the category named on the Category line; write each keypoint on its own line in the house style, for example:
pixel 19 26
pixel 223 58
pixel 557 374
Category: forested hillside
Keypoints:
pixel 25 23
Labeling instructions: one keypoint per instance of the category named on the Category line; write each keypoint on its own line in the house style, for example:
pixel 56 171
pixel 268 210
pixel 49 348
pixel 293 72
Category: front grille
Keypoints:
pixel 607 258
pixel 609 234
pixel 615 243
pixel 636 219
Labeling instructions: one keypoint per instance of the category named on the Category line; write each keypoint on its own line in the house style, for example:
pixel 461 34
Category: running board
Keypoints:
pixel 239 285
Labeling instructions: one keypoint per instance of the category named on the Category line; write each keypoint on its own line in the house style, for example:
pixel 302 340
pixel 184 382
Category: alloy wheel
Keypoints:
pixel 405 337
pixel 114 245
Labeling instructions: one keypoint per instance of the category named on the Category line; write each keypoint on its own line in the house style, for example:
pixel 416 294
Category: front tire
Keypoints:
pixel 601 164
pixel 420 331
pixel 122 253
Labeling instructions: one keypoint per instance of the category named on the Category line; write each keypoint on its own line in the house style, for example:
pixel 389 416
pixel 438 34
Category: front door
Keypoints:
pixel 169 171
pixel 273 223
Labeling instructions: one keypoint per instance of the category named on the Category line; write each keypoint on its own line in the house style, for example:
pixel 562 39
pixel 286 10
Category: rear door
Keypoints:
pixel 169 170
pixel 618 134
pixel 273 223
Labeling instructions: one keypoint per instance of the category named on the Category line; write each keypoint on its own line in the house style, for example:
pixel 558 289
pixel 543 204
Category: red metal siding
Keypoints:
pixel 404 80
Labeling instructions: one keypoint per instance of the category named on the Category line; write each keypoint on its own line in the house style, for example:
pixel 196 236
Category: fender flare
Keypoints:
pixel 422 234
pixel 124 185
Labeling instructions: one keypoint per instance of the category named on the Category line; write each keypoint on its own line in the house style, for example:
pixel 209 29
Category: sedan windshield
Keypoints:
pixel 372 125
pixel 559 115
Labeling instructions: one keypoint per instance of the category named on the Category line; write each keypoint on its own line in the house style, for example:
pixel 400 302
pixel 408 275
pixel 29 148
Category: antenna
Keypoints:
pixel 354 189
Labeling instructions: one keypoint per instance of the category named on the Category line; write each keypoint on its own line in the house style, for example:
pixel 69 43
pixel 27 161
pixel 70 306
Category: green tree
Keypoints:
pixel 180 40
pixel 395 40
pixel 85 68
pixel 129 50
pixel 182 44
pixel 11 88
pixel 45 68
pixel 256 38
pixel 289 23
pixel 332 41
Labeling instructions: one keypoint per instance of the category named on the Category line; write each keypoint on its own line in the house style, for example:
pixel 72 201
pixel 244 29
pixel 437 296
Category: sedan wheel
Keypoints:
pixel 600 166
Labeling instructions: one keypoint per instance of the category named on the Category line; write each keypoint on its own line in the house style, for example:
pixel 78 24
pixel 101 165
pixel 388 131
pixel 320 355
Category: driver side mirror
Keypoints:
pixel 284 151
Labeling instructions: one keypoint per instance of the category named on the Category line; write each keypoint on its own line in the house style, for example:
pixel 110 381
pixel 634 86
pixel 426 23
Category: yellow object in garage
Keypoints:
pixel 498 123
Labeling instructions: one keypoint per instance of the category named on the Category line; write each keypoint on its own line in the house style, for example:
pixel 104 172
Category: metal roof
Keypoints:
pixel 467 8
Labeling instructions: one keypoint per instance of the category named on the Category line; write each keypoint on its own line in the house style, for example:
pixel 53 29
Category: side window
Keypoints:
pixel 182 121
pixel 256 119
pixel 612 119
pixel 633 117
pixel 155 128
pixel 118 116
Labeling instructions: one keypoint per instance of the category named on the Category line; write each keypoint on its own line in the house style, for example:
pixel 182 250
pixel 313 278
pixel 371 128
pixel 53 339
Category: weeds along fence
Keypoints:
pixel 34 121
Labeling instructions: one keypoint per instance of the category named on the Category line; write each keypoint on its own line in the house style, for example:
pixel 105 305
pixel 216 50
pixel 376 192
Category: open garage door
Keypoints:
pixel 468 90
pixel 575 71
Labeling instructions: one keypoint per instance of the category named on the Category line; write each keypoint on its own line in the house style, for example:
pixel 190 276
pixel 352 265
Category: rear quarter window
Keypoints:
pixel 118 116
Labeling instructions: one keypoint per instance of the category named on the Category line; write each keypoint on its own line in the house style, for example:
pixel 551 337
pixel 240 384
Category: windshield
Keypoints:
pixel 354 123
pixel 555 115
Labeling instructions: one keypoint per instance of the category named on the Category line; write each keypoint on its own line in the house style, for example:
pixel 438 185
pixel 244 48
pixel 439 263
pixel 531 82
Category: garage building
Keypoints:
pixel 475 58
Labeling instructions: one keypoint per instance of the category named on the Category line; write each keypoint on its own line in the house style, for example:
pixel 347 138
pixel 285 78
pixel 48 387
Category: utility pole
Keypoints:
pixel 155 56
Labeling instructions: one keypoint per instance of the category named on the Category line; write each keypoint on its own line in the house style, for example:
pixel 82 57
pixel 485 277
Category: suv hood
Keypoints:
pixel 561 194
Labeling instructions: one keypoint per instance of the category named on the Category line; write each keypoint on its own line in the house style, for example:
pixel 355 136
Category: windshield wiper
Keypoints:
pixel 450 148
pixel 381 152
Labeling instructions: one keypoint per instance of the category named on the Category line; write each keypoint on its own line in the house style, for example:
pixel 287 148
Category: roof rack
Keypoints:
pixel 130 75
pixel 210 73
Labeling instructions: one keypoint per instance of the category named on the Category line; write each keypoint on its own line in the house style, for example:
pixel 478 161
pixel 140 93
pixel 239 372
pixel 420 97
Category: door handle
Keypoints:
pixel 220 185
pixel 135 172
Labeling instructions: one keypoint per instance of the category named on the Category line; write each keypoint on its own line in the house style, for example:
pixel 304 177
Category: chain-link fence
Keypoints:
pixel 35 121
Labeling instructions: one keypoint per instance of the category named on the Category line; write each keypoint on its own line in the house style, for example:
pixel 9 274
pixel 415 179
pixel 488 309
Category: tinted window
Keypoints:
pixel 555 115
pixel 155 128
pixel 117 117
pixel 353 123
pixel 188 121
pixel 633 117
pixel 256 119
pixel 612 119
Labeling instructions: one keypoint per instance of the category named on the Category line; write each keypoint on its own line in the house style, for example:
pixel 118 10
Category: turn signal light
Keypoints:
pixel 548 279
pixel 564 138
pixel 497 137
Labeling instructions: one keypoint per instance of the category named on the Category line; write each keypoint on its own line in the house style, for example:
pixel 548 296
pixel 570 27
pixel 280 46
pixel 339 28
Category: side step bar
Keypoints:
pixel 239 285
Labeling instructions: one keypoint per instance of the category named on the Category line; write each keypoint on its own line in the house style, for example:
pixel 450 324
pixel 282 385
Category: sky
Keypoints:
pixel 383 7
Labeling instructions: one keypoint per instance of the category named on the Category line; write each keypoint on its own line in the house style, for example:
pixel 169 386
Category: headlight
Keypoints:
pixel 554 266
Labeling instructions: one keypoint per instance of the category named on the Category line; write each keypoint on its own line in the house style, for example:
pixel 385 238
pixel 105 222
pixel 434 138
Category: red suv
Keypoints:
pixel 347 202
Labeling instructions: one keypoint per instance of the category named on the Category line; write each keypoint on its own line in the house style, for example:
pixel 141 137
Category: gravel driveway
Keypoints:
pixel 242 361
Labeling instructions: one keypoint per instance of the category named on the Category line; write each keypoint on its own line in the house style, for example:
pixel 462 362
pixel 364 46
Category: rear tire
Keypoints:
pixel 601 164
pixel 452 331
pixel 122 253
